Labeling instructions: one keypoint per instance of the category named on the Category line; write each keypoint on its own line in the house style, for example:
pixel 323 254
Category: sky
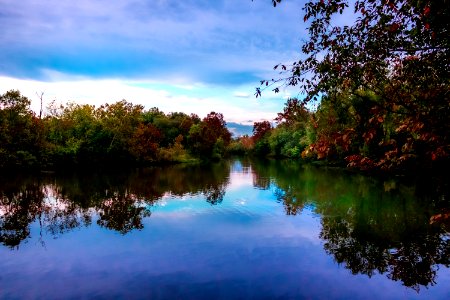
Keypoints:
pixel 192 56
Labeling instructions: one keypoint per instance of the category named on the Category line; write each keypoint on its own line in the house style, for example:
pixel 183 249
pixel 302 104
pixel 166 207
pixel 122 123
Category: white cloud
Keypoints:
pixel 100 91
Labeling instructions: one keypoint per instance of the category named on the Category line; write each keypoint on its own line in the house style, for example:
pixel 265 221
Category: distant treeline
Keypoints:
pixel 347 129
pixel 119 133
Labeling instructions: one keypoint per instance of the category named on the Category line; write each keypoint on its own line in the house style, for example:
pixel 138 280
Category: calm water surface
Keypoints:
pixel 237 229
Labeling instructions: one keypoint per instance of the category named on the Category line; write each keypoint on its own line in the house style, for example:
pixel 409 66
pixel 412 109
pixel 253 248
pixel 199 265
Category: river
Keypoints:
pixel 237 229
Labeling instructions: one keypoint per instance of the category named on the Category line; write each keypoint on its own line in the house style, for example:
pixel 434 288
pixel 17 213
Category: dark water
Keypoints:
pixel 233 230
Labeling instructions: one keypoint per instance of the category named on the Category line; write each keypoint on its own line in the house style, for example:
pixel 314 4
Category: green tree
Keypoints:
pixel 20 131
pixel 120 121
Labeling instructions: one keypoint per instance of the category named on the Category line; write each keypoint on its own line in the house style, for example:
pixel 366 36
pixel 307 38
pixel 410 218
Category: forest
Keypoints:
pixel 349 134
pixel 118 133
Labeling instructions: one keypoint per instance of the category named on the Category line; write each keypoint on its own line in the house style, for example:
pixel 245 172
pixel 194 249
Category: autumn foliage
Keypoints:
pixel 380 82
pixel 260 129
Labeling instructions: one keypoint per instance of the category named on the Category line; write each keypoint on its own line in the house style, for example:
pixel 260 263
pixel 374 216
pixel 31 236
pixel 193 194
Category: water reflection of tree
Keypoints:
pixel 214 194
pixel 287 183
pixel 388 232
pixel 413 259
pixel 415 262
pixel 288 198
pixel 18 208
pixel 122 212
pixel 121 201
pixel 370 226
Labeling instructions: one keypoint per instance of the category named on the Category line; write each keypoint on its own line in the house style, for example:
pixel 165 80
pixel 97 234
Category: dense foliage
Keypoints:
pixel 112 133
pixel 382 81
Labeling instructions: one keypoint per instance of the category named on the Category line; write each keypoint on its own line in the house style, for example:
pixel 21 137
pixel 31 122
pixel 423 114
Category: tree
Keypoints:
pixel 397 50
pixel 20 131
pixel 211 136
pixel 15 103
pixel 260 129
pixel 294 113
pixel 215 126
pixel 119 121
pixel 144 142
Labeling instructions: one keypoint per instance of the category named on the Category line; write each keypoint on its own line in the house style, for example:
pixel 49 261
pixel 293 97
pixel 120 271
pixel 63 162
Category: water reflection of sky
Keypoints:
pixel 244 247
pixel 236 196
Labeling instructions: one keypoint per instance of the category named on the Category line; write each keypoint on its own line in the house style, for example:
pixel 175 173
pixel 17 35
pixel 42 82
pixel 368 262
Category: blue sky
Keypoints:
pixel 193 56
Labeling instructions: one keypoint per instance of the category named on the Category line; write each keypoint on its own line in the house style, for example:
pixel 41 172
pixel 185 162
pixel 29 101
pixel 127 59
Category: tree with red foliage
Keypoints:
pixel 260 129
pixel 210 135
pixel 214 127
pixel 144 142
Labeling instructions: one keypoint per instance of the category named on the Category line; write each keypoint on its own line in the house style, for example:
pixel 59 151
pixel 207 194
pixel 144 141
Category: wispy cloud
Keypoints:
pixel 202 39
pixel 226 45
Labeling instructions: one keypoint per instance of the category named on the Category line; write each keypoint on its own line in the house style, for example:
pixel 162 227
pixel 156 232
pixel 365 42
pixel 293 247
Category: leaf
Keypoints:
pixel 394 27
pixel 258 92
